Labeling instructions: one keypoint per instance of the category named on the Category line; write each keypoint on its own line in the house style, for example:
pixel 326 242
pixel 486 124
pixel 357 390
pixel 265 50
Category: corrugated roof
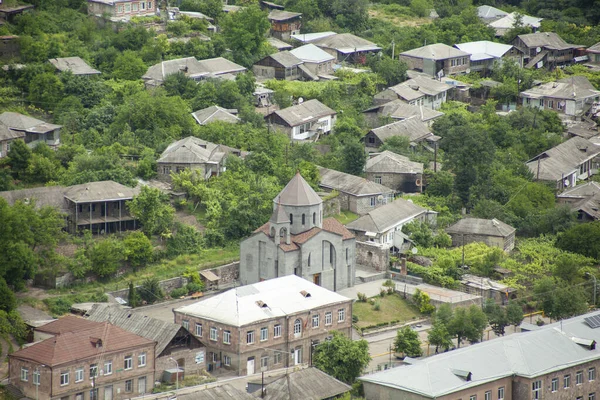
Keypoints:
pixel 488 12
pixel 52 196
pixel 304 112
pixel 280 297
pixel 351 184
pixel 437 51
pixel 68 323
pixel 280 15
pixel 509 20
pixel 305 384
pixel 192 150
pixel 390 162
pixel 574 87
pixel 548 40
pixel 311 37
pixel 75 65
pixel 581 191
pixel 563 159
pixel 26 123
pixel 527 354
pixel 298 193
pixel 214 113
pixel 100 191
pixel 382 218
pixel 153 329
pixel 479 226
pixel 279 44
pixel 399 109
pixel 346 43
pixel 192 67
pixel 411 128
pixel 223 392
pixel 81 344
pixel 286 59
pixel 312 54
pixel 594 49
pixel 418 87
pixel 8 134
pixel 484 49
pixel 219 66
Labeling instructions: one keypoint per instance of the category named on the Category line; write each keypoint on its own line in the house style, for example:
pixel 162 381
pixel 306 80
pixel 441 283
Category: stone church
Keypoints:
pixel 297 240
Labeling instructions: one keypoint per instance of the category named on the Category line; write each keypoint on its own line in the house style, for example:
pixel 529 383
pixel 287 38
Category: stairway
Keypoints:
pixel 14 392
pixel 536 59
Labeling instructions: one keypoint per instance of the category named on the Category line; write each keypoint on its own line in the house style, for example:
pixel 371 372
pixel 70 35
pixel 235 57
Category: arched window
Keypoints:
pixel 291 218
pixel 331 252
pixel 347 255
pixel 273 231
pixel 309 259
pixel 314 218
pixel 303 219
pixel 297 327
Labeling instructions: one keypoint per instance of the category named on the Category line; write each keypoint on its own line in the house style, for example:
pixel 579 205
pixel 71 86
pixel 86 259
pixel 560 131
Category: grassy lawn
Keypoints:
pixel 345 217
pixel 393 308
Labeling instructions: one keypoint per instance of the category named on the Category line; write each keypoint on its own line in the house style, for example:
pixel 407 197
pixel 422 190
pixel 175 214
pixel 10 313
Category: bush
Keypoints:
pixel 361 297
pixel 391 290
pixel 382 292
pixel 179 292
pixel 150 291
pixel 389 283
pixel 377 306
pixel 354 318
pixel 193 287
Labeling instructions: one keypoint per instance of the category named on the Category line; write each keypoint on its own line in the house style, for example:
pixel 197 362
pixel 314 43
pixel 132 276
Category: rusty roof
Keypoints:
pixel 69 323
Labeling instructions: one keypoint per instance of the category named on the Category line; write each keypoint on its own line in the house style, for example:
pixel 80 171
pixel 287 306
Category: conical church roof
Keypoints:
pixel 298 193
pixel 279 216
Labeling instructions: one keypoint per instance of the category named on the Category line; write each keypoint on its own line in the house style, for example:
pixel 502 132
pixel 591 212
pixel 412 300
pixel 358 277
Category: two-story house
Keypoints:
pixel 284 24
pixel 573 96
pixel 98 361
pixel 266 325
pixel 122 9
pixel 395 171
pixel 346 47
pixel 546 50
pixel 34 131
pixel 484 54
pixel 416 131
pixel 418 91
pixel 437 60
pixel 7 136
pixel 316 60
pixel 305 120
pixel 282 65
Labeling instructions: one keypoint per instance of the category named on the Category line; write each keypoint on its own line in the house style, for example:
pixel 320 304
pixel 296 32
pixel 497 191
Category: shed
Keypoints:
pixel 210 279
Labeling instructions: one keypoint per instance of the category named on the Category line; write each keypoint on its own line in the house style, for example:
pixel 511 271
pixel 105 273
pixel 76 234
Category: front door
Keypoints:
pixel 297 356
pixel 250 366
pixel 108 393
pixel 317 279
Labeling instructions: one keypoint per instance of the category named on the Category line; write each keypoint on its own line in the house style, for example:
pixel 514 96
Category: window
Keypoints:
pixel 592 396
pixel 128 363
pixel 297 327
pixel 501 393
pixel 550 103
pixel 264 362
pixel 567 381
pixel 314 218
pixel 372 200
pixel 127 7
pixel 64 378
pixel 303 219
pixel 198 329
pixel 378 179
pixel 315 321
pixel 541 102
pixel 141 360
pixel 473 397
pixel 328 318
pixel 250 337
pixel 129 386
pixel 536 387
pixel 214 335
pixel 107 367
pixel 554 384
pixel 134 6
pixel 36 377
pixel 226 360
pixel 93 371
pixel 142 385
pixel 291 219
pixel 341 315
pixel 142 5
pixel 488 395
pixel 227 337
pixel 120 8
pixel 24 374
pixel 264 334
pixel 277 331
pixel 277 357
pixel 149 5
pixel 186 324
pixel 560 105
pixel 94 394
pixel 579 378
pixel 592 374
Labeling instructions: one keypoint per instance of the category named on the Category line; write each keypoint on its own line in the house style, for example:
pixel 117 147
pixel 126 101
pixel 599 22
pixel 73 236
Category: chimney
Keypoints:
pixel 403 270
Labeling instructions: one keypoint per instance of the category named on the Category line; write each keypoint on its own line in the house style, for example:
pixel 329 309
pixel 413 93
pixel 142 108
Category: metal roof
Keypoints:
pixel 74 65
pixel 571 88
pixel 528 354
pixel 399 109
pixel 99 191
pixel 305 384
pixel 52 196
pixel 346 43
pixel 312 54
pixel 280 15
pixel 351 184
pixel 223 392
pixel 279 44
pixel 304 112
pixel 311 37
pixel 390 162
pixel 548 40
pixel 382 218
pixel 286 59
pixel 192 67
pixel 488 12
pixel 480 226
pixel 214 113
pixel 192 150
pixel 484 49
pixel 581 191
pixel 8 134
pixel 418 87
pixel 509 20
pixel 412 128
pixel 261 301
pixel 298 193
pixel 26 123
pixel 437 51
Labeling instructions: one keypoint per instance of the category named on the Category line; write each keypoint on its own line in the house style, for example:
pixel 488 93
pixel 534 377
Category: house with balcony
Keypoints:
pixel 573 96
pixel 266 325
pixel 563 165
pixel 437 60
pixel 484 54
pixel 122 10
pixel 417 91
pixel 305 120
pixel 32 130
pixel 91 361
pixel 284 24
pixel 282 65
pixel 547 50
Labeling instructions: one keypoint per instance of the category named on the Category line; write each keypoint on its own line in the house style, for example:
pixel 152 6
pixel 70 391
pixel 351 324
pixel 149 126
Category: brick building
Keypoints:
pixel 266 325
pixel 99 361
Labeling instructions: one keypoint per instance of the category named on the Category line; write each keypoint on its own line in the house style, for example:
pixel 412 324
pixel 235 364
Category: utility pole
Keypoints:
pixel 393 48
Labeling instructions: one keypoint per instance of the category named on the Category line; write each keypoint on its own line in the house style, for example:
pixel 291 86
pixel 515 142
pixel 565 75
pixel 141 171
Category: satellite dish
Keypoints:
pixel 566 182
pixel 539 49
pixel 418 182
pixel 414 250
pixel 300 100
pixel 468 71
pixel 380 198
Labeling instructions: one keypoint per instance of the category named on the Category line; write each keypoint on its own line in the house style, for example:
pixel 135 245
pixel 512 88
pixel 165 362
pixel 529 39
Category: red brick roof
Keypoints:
pixel 69 323
pixel 335 226
pixel 72 346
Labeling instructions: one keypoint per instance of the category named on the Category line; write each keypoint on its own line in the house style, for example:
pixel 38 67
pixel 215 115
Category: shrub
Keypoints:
pixel 150 291
pixel 540 322
pixel 390 290
pixel 382 292
pixel 361 297
pixel 377 306
pixel 354 318
pixel 179 292
pixel 193 287
pixel 389 283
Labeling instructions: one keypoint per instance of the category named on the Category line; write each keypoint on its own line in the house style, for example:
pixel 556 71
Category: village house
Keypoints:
pixel 308 383
pixel 398 110
pixel 317 61
pixel 284 24
pixel 74 65
pixel 584 200
pixel 9 47
pixel 214 114
pixel 556 361
pixel 34 130
pixel 192 68
pixel 266 325
pixel 489 13
pixel 283 65
pixel 205 158
pixel 417 133
pixel 395 171
pixel 507 22
pixel 356 194
pixel 418 91
pixel 437 60
pixel 593 54
pixel 119 10
pixel 546 50
pixel 7 136
pixel 298 240
pixel 492 232
pixel 94 361
pixel 304 120
pixel 10 10
pixel 485 54
pixel 173 342
pixel 565 164
pixel 573 96
pixel 346 47
pixel 311 37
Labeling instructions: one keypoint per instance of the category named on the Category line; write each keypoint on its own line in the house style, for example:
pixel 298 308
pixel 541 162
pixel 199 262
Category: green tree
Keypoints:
pixel 392 71
pixel 468 324
pixel 444 314
pixel 573 239
pixel 152 209
pixel 129 66
pixel 45 91
pixel 8 301
pixel 150 291
pixel 106 256
pixel 496 316
pixel 439 336
pixel 342 357
pixel 133 298
pixel 354 158
pixel 244 32
pixel 137 249
pixel 514 314
pixel 407 342
pixel 185 240
pixel 558 299
pixel 350 14
pixel 19 157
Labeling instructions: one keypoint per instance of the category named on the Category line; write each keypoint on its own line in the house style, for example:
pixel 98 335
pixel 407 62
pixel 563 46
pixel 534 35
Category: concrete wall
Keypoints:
pixel 164 170
pixel 186 358
pixel 401 182
pixel 372 256
pixel 506 244
pixel 167 286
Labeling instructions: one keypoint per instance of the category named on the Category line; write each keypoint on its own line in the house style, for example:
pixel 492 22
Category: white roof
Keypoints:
pixel 508 21
pixel 484 49
pixel 309 37
pixel 487 12
pixel 279 297
pixel 312 54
